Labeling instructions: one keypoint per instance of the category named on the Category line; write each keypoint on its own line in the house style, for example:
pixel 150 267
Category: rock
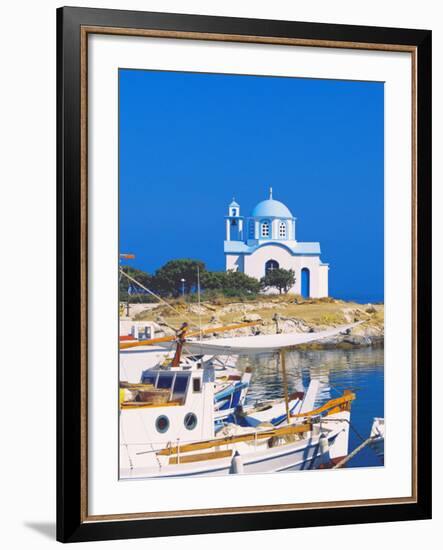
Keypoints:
pixel 244 308
pixel 370 309
pixel 196 309
pixel 291 324
pixel 161 326
pixel 266 328
pixel 251 317
pixel 236 307
pixel 349 315
pixel 353 340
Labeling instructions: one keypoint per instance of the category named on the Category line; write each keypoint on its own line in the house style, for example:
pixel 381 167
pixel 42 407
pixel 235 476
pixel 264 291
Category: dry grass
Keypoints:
pixel 324 311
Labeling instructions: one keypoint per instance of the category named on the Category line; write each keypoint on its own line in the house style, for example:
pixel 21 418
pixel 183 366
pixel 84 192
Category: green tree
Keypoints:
pixel 124 283
pixel 230 283
pixel 168 279
pixel 281 279
pixel 213 280
pixel 236 280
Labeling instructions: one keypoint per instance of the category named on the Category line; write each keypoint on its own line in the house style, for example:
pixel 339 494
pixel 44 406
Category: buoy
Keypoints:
pixel 237 464
pixel 323 444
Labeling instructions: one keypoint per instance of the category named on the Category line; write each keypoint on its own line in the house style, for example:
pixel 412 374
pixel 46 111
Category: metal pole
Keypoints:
pixel 199 303
pixel 285 384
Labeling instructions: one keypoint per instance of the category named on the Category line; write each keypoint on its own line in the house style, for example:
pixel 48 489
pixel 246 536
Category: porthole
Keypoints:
pixel 190 421
pixel 162 424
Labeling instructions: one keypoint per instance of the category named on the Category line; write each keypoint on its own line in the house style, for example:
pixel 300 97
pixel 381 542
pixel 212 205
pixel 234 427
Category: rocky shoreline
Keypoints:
pixel 277 315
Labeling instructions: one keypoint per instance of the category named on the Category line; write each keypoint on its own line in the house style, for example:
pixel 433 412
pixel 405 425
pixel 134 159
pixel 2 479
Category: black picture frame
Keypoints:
pixel 72 526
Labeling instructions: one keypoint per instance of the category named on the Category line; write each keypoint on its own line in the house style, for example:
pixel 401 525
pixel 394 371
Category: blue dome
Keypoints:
pixel 271 208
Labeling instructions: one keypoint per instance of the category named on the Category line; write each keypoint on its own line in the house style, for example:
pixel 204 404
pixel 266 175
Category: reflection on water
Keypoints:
pixel 360 370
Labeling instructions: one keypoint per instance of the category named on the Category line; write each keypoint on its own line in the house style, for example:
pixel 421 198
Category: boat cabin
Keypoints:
pixel 168 406
pixel 135 331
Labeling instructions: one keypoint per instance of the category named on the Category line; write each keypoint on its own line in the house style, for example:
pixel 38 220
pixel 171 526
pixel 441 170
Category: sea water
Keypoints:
pixel 360 370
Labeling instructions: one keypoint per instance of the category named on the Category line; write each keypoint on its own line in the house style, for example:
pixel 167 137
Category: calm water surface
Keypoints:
pixel 360 370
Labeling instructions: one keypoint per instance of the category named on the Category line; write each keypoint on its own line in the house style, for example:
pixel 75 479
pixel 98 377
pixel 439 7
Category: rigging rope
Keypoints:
pixel 159 298
pixel 347 458
pixel 366 441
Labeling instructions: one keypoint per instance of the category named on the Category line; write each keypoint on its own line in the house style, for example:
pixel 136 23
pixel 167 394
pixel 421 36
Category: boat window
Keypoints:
pixel 190 421
pixel 144 333
pixel 209 374
pixel 180 386
pixel 162 424
pixel 149 378
pixel 165 381
pixel 196 385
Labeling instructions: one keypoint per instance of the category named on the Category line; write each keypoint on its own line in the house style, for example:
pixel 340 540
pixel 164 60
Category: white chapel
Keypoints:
pixel 267 240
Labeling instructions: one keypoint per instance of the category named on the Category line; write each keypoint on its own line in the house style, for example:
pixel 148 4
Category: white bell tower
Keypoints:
pixel 234 222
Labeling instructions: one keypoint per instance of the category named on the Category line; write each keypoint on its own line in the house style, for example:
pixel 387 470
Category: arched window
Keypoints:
pixel 265 229
pixel 282 230
pixel 270 265
pixel 234 212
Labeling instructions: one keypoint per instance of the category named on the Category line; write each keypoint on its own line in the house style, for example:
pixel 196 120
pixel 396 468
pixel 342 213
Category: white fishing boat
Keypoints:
pixel 174 434
pixel 230 386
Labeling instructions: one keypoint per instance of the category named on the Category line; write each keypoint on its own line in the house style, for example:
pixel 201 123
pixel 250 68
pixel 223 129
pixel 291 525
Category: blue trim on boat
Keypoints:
pixel 253 422
pixel 229 391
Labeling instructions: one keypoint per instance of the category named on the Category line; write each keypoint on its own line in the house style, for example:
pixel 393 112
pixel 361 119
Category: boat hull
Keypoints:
pixel 306 454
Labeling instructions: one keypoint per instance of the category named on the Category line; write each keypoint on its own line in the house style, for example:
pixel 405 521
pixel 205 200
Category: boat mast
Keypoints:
pixel 181 339
pixel 199 304
pixel 285 383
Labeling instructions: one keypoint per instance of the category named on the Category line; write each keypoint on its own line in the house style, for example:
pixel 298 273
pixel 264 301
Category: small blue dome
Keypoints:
pixel 271 208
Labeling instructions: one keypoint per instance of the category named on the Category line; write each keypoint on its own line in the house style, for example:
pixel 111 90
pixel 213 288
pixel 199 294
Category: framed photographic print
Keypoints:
pixel 244 274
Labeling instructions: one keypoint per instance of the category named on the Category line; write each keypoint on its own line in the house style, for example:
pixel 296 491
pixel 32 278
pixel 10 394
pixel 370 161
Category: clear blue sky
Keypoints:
pixel 190 141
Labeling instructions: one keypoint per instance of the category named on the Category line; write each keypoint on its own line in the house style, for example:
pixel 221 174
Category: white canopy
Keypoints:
pixel 268 343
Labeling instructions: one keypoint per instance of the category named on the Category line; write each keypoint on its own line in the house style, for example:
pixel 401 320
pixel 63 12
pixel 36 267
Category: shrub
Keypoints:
pixel 281 279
